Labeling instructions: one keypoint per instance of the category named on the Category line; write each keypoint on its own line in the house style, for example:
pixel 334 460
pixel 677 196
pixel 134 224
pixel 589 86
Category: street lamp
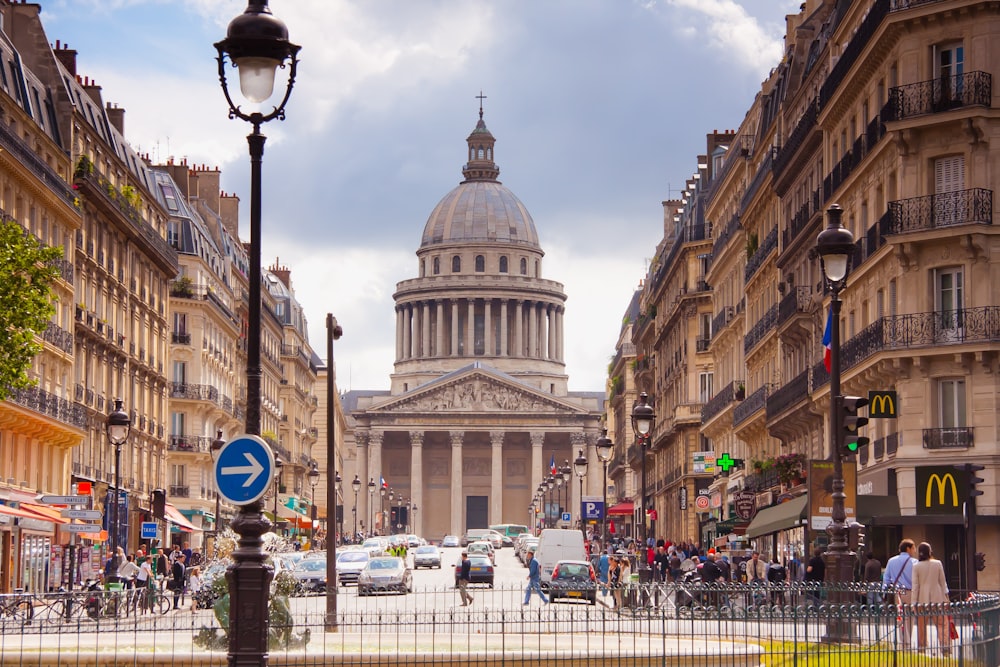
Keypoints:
pixel 371 501
pixel 835 245
pixel 551 484
pixel 278 465
pixel 117 425
pixel 356 485
pixel 216 449
pixel 383 492
pixel 313 475
pixel 565 473
pixel 642 424
pixel 414 520
pixel 256 44
pixel 333 332
pixel 605 450
pixel 580 468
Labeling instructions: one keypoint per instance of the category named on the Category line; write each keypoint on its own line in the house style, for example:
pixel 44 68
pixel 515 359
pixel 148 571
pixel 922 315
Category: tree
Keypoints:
pixel 27 269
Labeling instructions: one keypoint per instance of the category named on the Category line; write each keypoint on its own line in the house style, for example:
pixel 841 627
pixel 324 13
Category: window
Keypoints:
pixel 949 64
pixel 177 423
pixel 180 323
pixel 422 268
pixel 880 304
pixel 180 372
pixel 524 266
pixel 949 299
pixel 456 264
pixel 951 403
pixel 480 263
pixel 437 265
pixel 503 265
pixel 480 154
pixel 705 392
pixel 479 331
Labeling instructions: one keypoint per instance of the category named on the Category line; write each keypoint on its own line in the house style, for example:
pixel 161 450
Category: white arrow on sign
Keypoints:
pixel 252 471
pixel 90 515
pixel 81 527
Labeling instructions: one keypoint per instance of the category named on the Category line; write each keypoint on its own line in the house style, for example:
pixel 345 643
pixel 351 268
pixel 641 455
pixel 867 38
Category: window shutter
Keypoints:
pixel 949 174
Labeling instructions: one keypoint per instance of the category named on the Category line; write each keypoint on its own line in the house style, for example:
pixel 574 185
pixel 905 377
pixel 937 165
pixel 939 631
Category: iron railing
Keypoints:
pixel 50 405
pixel 757 259
pixel 752 404
pixel 190 443
pixel 58 336
pixel 945 209
pixel 760 329
pixel 719 402
pixel 798 136
pixel 792 393
pixel 959 437
pixel 941 94
pixel 797 300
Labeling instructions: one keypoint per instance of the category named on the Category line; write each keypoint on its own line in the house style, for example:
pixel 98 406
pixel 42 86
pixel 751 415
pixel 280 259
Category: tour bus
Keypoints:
pixel 511 530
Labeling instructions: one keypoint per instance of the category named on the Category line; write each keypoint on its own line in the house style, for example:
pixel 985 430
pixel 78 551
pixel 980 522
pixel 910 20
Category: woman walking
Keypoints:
pixel 929 590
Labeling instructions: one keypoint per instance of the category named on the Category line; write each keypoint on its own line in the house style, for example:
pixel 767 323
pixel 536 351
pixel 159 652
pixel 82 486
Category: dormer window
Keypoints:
pixel 481 153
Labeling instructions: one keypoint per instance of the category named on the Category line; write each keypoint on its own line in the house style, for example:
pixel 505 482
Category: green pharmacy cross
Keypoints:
pixel 725 462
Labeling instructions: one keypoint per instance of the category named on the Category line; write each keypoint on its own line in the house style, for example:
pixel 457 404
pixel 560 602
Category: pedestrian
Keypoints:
pixel 615 581
pixel 930 588
pixel 194 585
pixel 464 577
pixel 777 575
pixel 127 571
pixel 534 580
pixel 161 568
pixel 675 565
pixel 176 583
pixel 603 567
pixel 898 579
pixel 872 575
pixel 144 582
pixel 756 569
pixel 815 573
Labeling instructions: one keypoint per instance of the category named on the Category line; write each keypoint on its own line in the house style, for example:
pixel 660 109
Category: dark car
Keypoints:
pixel 573 580
pixel 480 572
pixel 310 574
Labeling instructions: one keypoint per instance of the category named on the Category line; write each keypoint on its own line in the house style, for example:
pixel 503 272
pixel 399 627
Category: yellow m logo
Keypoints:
pixel 941 482
pixel 882 405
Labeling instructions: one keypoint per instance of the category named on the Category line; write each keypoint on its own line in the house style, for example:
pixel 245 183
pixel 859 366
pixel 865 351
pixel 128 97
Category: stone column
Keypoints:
pixel 439 338
pixel 543 331
pixel 518 329
pixel 361 442
pixel 417 478
pixel 538 470
pixel 454 327
pixel 488 349
pixel 559 332
pixel 425 330
pixel 399 334
pixel 553 354
pixel 595 469
pixel 504 348
pixel 532 330
pixel 406 332
pixel 470 330
pixel 375 466
pixel 496 481
pixel 457 492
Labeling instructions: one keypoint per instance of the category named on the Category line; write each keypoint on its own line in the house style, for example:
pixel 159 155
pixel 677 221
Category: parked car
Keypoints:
pixel 376 546
pixel 556 544
pixel 350 564
pixel 494 538
pixel 414 541
pixel 480 572
pixel 484 548
pixel 385 574
pixel 526 544
pixel 450 541
pixel 474 535
pixel 310 575
pixel 426 556
pixel 573 580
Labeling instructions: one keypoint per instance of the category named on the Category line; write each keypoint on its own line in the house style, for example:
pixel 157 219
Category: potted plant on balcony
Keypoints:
pixel 741 391
pixel 790 468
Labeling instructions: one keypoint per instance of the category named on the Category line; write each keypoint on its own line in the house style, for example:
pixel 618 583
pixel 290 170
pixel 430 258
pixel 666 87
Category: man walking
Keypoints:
pixel 177 579
pixel 464 576
pixel 534 580
pixel 899 578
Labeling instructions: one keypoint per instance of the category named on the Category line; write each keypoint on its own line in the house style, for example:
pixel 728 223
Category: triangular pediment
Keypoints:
pixel 474 391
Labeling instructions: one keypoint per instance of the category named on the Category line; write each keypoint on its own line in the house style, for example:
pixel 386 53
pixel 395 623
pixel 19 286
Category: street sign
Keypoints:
pixel 81 527
pixel 593 509
pixel 64 500
pixel 148 531
pixel 244 469
pixel 89 515
pixel 566 516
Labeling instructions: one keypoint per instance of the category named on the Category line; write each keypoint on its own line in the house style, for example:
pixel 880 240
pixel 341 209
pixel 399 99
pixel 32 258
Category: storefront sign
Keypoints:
pixel 821 493
pixel 704 462
pixel 683 505
pixel 940 489
pixel 745 503
pixel 716 499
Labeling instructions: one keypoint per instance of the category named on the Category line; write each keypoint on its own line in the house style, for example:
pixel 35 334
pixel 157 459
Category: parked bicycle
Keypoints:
pixel 17 606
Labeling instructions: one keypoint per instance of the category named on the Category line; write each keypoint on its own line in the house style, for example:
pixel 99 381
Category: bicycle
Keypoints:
pixel 149 599
pixel 18 606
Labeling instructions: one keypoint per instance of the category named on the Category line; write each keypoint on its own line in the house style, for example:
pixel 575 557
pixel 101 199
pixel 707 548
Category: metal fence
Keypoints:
pixel 653 625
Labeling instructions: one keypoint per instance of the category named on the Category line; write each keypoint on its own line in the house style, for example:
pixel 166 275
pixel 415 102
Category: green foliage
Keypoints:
pixel 27 271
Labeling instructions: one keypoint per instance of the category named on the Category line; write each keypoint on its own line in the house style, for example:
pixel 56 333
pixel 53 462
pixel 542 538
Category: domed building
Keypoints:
pixel 479 405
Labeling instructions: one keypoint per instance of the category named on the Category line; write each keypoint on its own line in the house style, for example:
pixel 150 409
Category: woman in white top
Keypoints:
pixel 194 585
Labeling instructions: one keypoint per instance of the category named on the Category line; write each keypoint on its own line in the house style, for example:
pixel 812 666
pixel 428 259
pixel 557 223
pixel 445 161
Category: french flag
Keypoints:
pixel 827 340
pixel 552 465
pixel 386 486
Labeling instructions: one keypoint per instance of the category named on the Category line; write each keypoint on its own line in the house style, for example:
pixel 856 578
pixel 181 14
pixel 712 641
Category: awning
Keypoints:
pixel 13 511
pixel 780 517
pixel 873 508
pixel 621 509
pixel 46 512
pixel 173 515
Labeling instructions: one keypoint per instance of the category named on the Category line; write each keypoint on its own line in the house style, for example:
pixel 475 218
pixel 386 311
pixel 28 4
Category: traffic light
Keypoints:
pixel 851 441
pixel 159 503
pixel 974 479
pixel 980 561
pixel 857 536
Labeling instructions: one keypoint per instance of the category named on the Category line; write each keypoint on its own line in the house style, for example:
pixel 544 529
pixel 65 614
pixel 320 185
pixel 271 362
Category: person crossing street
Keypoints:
pixel 534 580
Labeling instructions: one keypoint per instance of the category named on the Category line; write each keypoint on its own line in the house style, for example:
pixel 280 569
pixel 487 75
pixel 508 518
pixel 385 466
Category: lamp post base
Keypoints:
pixel 840 574
pixel 249 580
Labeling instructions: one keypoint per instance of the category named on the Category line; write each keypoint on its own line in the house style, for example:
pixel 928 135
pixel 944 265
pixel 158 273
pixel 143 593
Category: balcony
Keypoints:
pixel 800 221
pixel 757 259
pixel 751 405
pixel 727 233
pixel 761 329
pixel 180 338
pixel 190 443
pixel 27 158
pixel 179 491
pixel 721 319
pixel 701 345
pixel 59 337
pixel 790 394
pixel 194 392
pixel 796 301
pixel 853 50
pixel 959 437
pixel 719 402
pixel 50 405
pixel 761 481
pixel 796 138
pixel 946 209
pixel 939 95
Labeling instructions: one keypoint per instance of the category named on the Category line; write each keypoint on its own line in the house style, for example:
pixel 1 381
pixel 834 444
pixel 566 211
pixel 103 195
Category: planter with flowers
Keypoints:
pixel 790 468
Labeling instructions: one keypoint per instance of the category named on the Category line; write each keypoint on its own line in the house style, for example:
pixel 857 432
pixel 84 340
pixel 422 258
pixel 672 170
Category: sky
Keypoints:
pixel 599 108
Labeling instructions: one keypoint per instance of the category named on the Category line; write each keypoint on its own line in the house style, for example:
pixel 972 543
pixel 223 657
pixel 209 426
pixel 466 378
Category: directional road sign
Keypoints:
pixel 148 530
pixel 244 469
pixel 65 500
pixel 81 527
pixel 89 515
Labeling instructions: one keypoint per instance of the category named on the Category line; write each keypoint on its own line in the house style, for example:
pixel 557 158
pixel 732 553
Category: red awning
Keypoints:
pixel 621 509
pixel 13 511
pixel 174 516
pixel 44 512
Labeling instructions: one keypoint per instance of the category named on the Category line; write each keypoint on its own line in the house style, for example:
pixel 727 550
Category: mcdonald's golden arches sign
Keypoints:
pixel 883 405
pixel 940 489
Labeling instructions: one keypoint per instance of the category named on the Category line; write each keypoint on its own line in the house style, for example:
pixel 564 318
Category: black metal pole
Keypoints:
pixel 642 503
pixel 604 528
pixel 583 528
pixel 115 507
pixel 333 332
pixel 249 578
pixel 354 511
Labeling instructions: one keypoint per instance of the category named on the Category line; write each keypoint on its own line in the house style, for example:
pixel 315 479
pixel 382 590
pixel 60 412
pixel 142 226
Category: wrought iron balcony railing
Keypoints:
pixel 945 209
pixel 796 300
pixel 792 393
pixel 752 404
pixel 176 491
pixel 757 259
pixel 719 402
pixel 765 324
pixel 959 437
pixel 942 94
pixel 51 405
pixel 190 443
pixel 181 338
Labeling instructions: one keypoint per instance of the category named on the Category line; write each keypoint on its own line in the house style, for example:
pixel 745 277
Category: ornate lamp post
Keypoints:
pixel 382 492
pixel 356 485
pixel 605 450
pixel 835 245
pixel 371 501
pixel 313 475
pixel 566 473
pixel 216 448
pixel 414 520
pixel 642 425
pixel 278 465
pixel 257 45
pixel 117 425
pixel 580 468
pixel 551 483
pixel 399 513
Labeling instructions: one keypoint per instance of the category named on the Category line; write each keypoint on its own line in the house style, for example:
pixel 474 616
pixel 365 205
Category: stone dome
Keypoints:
pixel 480 212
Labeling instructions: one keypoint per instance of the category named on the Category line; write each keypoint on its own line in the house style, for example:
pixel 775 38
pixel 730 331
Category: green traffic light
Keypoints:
pixel 852 446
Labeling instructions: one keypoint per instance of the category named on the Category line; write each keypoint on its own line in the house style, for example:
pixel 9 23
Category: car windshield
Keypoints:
pixel 384 564
pixel 426 550
pixel 372 543
pixel 573 571
pixel 353 557
pixel 311 565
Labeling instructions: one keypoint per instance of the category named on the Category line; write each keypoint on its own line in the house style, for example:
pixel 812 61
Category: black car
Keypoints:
pixel 573 580
pixel 480 572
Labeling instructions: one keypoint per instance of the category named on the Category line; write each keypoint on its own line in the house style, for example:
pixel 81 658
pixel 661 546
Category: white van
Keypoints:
pixel 556 544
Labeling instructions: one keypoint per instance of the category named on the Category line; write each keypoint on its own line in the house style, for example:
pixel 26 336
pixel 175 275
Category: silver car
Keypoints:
pixel 349 566
pixel 386 573
pixel 426 556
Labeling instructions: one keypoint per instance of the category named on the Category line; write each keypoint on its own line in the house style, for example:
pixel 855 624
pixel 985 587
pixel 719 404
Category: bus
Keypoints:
pixel 511 530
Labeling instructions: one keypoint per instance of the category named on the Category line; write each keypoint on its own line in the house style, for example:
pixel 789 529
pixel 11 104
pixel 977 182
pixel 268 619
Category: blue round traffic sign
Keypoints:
pixel 244 469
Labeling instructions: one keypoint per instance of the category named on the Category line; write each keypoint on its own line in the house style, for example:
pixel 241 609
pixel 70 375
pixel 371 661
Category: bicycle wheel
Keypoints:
pixel 23 611
pixel 161 604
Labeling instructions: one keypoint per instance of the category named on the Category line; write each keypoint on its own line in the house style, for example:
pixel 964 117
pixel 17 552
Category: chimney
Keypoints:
pixel 283 273
pixel 208 187
pixel 229 211
pixel 93 91
pixel 116 116
pixel 66 56
pixel 180 175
